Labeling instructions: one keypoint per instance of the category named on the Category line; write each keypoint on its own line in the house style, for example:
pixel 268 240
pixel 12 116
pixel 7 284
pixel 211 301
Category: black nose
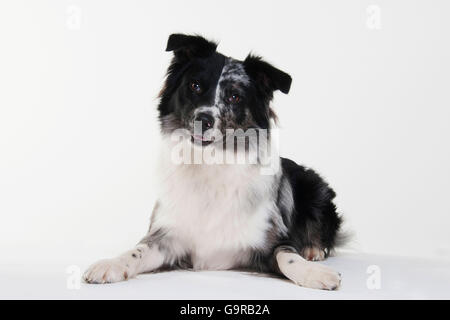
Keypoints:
pixel 206 119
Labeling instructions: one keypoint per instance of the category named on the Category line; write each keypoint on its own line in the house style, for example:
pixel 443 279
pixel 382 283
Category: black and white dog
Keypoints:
pixel 222 215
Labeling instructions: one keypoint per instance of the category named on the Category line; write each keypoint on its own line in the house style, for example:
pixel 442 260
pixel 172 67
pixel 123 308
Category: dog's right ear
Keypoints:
pixel 188 47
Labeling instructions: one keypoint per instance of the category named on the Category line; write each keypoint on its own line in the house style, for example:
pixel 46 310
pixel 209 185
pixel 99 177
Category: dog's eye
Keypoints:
pixel 234 99
pixel 195 87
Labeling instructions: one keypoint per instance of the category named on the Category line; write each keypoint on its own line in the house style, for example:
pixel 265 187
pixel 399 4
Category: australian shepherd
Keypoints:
pixel 226 200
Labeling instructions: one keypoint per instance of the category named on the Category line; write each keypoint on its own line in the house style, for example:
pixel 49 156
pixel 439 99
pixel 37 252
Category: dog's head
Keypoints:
pixel 207 89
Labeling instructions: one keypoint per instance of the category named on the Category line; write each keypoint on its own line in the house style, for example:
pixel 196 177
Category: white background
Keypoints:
pixel 368 109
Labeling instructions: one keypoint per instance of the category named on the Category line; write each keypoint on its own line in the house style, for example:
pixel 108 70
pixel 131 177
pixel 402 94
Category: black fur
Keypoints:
pixel 296 203
pixel 194 58
pixel 313 221
pixel 268 78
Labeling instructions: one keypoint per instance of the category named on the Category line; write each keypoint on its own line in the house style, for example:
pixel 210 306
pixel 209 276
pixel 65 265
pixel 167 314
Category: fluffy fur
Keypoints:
pixel 228 216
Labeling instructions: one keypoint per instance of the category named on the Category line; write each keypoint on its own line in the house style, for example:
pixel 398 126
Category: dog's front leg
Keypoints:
pixel 143 258
pixel 305 273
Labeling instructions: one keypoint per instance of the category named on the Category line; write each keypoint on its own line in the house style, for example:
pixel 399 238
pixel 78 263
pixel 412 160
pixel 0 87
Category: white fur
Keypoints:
pixel 237 75
pixel 128 265
pixel 213 212
pixel 307 274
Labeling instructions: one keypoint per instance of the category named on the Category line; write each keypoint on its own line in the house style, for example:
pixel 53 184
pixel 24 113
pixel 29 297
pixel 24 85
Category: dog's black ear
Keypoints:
pixel 267 75
pixel 187 46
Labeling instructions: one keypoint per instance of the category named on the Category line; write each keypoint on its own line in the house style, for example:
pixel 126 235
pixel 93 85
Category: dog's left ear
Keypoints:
pixel 267 75
pixel 188 47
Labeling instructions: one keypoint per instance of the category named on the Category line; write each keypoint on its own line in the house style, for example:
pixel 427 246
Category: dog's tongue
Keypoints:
pixel 199 137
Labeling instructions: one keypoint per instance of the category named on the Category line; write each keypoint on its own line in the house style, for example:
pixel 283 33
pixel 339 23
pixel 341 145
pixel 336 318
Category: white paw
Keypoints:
pixel 313 254
pixel 308 274
pixel 318 276
pixel 107 271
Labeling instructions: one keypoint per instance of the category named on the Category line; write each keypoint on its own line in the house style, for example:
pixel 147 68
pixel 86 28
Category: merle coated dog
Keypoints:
pixel 222 215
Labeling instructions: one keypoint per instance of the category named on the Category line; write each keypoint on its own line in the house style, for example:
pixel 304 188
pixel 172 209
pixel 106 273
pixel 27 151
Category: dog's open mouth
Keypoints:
pixel 201 139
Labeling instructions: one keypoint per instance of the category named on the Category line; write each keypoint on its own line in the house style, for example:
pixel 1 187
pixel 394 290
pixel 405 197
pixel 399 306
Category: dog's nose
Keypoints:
pixel 206 119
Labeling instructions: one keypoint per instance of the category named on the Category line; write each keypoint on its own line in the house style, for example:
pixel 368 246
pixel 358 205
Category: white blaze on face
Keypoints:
pixel 233 72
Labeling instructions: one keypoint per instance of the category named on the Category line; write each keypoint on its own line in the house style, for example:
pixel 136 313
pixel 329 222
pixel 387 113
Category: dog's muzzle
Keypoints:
pixel 202 123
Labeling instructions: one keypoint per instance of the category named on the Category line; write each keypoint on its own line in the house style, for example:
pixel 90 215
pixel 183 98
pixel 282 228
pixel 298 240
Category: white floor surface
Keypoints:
pixel 400 278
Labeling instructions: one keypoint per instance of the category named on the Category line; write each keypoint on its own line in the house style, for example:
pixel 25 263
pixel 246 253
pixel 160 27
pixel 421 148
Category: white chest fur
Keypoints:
pixel 214 212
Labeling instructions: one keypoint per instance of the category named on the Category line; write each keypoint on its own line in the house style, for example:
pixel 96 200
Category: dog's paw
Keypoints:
pixel 107 271
pixel 308 274
pixel 319 277
pixel 313 254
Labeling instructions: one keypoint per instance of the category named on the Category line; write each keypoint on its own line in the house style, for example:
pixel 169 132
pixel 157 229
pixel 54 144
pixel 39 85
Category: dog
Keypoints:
pixel 229 216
